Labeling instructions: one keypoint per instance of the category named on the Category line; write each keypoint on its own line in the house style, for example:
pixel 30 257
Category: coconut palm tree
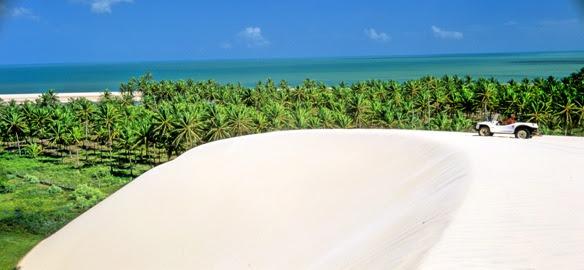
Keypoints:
pixel 144 137
pixel 567 110
pixel 580 113
pixel 342 120
pixel 360 109
pixel 239 120
pixel 539 112
pixel 48 99
pixel 84 111
pixel 14 125
pixel 38 119
pixel 326 116
pixel 108 118
pixel 277 114
pixel 187 129
pixel 487 94
pixel 162 127
pixel 126 141
pixel 260 121
pixel 58 132
pixel 162 124
pixel 218 124
pixel 301 118
pixel 76 138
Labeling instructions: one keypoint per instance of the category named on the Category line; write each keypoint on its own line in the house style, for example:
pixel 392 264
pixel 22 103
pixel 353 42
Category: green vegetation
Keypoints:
pixel 39 196
pixel 14 246
pixel 60 159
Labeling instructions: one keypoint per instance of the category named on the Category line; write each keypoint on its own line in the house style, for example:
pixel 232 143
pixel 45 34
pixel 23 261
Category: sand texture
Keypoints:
pixel 340 199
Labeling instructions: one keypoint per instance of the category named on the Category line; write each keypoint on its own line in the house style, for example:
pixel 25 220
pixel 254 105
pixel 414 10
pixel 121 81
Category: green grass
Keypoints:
pixel 14 245
pixel 38 197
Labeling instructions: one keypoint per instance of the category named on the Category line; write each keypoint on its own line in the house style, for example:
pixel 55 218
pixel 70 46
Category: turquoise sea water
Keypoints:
pixel 101 76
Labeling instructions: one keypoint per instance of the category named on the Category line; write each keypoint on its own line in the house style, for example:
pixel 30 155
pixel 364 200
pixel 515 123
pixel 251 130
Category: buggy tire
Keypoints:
pixel 485 131
pixel 523 133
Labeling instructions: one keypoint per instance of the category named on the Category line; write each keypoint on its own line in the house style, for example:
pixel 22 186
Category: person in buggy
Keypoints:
pixel 509 120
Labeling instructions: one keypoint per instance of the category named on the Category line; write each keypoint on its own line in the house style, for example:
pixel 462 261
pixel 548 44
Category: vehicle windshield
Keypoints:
pixel 493 117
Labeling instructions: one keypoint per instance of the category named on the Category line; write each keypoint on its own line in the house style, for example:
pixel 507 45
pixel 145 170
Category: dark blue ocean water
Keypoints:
pixel 100 76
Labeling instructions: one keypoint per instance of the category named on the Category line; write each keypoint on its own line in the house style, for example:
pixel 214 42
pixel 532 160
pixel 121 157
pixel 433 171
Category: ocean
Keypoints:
pixel 92 77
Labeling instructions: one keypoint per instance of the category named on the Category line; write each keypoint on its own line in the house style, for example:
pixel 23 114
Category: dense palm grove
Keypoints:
pixel 175 116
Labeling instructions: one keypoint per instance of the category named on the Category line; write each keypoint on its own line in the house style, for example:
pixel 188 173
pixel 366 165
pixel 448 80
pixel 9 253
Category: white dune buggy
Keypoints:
pixel 522 130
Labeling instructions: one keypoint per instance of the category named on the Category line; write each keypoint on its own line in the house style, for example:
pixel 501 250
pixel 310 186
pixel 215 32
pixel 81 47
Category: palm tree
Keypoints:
pixel 62 121
pixel 239 120
pixel 48 99
pixel 580 111
pixel 567 110
pixel 76 138
pixel 260 121
pixel 187 129
pixel 127 142
pixel 144 136
pixel 14 125
pixel 423 100
pixel 360 108
pixel 218 124
pixel 58 133
pixel 106 97
pixel 342 120
pixel 84 110
pixel 327 119
pixel 38 119
pixel 487 93
pixel 162 126
pixel 539 112
pixel 301 118
pixel 108 118
pixel 277 115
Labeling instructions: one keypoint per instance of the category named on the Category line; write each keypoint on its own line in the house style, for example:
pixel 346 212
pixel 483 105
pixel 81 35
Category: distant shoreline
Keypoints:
pixel 63 97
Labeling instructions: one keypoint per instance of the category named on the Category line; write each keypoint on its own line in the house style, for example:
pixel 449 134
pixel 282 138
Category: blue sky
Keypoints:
pixel 61 31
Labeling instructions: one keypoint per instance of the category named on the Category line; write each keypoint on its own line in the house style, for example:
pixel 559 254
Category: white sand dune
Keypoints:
pixel 351 199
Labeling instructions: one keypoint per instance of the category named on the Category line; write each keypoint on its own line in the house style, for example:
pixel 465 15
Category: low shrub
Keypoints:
pixel 54 190
pixel 33 150
pixel 86 196
pixel 31 179
pixel 6 187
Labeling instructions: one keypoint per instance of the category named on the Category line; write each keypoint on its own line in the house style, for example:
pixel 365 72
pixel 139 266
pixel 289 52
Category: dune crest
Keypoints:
pixel 337 199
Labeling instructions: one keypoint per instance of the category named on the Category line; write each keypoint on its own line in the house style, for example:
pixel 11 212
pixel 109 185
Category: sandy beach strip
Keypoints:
pixel 63 97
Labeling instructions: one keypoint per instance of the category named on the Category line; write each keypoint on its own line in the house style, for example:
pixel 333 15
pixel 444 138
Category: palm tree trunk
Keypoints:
pixel 18 143
pixel 110 159
pixel 85 138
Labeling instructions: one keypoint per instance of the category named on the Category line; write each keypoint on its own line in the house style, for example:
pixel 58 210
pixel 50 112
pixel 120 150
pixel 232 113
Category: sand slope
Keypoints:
pixel 352 199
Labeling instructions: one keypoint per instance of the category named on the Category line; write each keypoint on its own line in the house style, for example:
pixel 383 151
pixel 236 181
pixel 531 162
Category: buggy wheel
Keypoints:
pixel 523 133
pixel 485 131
